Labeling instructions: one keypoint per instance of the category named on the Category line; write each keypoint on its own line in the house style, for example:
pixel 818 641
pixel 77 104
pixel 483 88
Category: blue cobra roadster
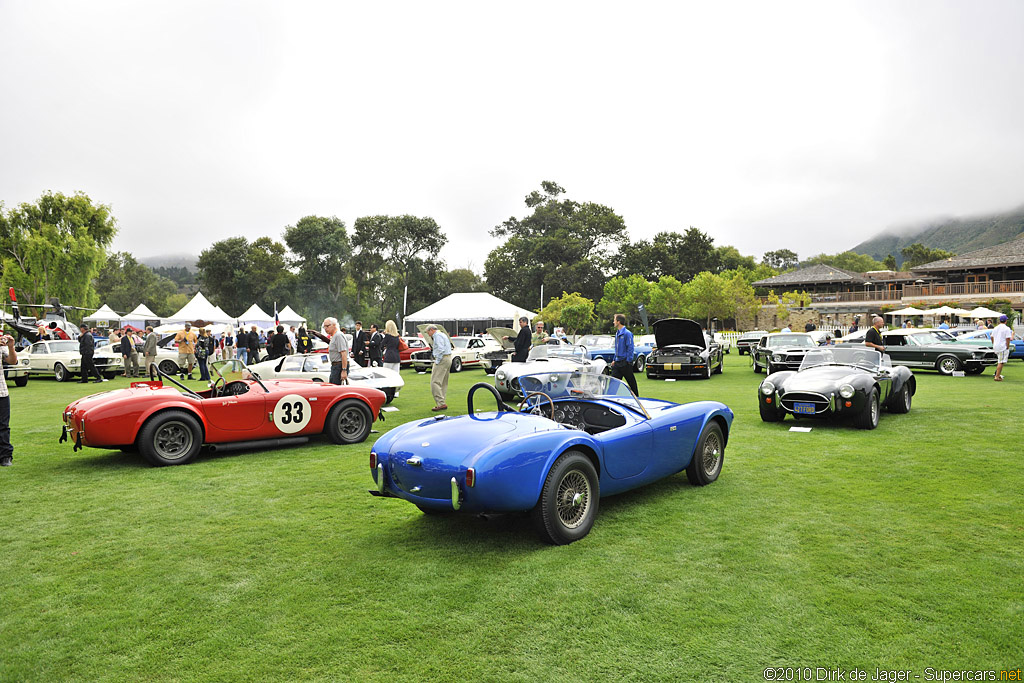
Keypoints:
pixel 574 438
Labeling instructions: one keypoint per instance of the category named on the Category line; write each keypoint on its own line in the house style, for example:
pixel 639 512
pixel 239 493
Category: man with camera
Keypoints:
pixel 6 449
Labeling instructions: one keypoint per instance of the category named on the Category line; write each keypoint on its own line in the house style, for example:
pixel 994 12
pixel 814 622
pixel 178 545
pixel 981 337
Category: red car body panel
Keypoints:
pixel 406 355
pixel 114 418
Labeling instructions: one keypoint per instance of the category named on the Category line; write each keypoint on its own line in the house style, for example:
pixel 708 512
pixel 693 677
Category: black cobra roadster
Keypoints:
pixel 838 382
pixel 682 349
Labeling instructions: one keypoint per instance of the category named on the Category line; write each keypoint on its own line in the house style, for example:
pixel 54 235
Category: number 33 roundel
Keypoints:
pixel 292 414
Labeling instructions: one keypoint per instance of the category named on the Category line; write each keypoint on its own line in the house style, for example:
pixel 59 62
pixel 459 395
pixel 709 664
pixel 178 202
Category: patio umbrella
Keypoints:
pixel 909 310
pixel 942 310
pixel 962 312
pixel 982 312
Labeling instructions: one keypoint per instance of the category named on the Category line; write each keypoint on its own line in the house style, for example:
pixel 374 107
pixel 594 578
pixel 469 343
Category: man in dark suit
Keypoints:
pixel 376 346
pixel 87 347
pixel 360 344
pixel 254 346
pixel 522 341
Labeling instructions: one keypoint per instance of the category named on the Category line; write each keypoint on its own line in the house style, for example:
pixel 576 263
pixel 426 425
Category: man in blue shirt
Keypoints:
pixel 442 367
pixel 622 366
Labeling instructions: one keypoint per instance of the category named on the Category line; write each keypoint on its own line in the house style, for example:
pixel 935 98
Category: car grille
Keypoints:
pixel 820 401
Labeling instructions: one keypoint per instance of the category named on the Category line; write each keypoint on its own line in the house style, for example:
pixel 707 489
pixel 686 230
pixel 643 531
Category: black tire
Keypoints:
pixel 975 370
pixel 110 375
pixel 708 457
pixel 173 437
pixel 707 370
pixel 721 366
pixel 349 422
pixel 389 392
pixel 947 365
pixel 456 364
pixel 757 368
pixel 640 363
pixel 769 413
pixel 168 367
pixel 21 381
pixel 60 373
pixel 868 418
pixel 900 403
pixel 571 484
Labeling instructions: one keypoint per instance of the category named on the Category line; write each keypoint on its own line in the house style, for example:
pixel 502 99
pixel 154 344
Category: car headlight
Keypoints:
pixel 500 374
pixel 767 388
pixel 846 391
pixel 777 357
pixel 24 361
pixel 74 362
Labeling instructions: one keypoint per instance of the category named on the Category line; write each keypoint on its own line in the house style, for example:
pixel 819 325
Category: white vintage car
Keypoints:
pixel 317 367
pixel 546 358
pixel 468 351
pixel 61 359
pixel 17 374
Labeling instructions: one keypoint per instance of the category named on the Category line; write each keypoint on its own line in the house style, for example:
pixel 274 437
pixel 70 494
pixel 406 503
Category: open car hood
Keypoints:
pixel 675 331
pixel 499 332
pixel 430 340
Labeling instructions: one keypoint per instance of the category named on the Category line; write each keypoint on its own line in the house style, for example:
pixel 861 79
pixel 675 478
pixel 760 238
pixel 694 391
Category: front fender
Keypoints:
pixel 721 414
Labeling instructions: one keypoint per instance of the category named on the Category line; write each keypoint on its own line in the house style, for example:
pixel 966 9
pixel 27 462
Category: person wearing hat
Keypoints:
pixel 1001 336
pixel 186 350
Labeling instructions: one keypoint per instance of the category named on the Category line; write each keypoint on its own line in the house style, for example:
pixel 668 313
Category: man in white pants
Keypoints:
pixel 442 368
pixel 1001 336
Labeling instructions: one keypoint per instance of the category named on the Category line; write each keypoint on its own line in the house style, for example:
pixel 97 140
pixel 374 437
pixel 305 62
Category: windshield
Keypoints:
pixel 867 359
pixel 580 385
pixel 597 341
pixel 944 336
pixel 62 346
pixel 460 342
pixel 791 340
pixel 924 338
pixel 231 370
pixel 565 351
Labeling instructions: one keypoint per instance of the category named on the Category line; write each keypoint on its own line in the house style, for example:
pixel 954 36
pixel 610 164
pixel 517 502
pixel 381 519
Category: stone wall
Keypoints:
pixel 768 319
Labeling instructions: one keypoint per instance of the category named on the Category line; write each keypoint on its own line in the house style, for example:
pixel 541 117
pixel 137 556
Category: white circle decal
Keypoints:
pixel 291 413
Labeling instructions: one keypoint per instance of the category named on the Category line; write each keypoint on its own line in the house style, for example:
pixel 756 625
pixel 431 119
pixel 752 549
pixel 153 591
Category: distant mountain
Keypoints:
pixel 958 235
pixel 186 261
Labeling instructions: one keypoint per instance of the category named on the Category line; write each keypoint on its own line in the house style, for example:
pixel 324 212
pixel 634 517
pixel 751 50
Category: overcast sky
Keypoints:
pixel 807 125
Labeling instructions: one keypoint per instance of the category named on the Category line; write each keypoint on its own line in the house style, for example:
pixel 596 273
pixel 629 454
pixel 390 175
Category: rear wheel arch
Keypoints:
pixel 163 409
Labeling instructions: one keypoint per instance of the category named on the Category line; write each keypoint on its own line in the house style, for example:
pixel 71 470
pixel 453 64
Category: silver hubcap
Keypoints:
pixel 712 453
pixel 948 365
pixel 874 412
pixel 173 440
pixel 573 499
pixel 350 422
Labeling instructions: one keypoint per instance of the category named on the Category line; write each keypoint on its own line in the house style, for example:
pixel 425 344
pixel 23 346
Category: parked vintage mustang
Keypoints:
pixel 61 359
pixel 782 351
pixel 468 351
pixel 983 339
pixel 925 350
pixel 317 367
pixel 603 346
pixel 748 340
pixel 546 358
pixel 576 437
pixel 168 426
pixel 683 350
pixel 838 382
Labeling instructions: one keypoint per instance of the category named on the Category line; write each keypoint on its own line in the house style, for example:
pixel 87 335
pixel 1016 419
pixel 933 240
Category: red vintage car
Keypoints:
pixel 414 344
pixel 239 410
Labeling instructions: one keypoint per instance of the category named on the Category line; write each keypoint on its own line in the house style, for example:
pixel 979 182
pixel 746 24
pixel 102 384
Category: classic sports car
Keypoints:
pixel 469 351
pixel 576 437
pixel 549 357
pixel 317 367
pixel 17 373
pixel 62 360
pixel 748 340
pixel 782 351
pixel 924 350
pixel 983 339
pixel 495 359
pixel 603 346
pixel 683 350
pixel 414 344
pixel 238 411
pixel 838 382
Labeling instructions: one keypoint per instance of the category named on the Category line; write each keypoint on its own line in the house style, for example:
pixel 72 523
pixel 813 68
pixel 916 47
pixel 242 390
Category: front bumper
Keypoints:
pixel 659 370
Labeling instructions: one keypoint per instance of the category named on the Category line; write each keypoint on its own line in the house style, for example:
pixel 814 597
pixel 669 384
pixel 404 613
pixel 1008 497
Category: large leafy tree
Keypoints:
pixel 123 283
pixel 624 295
pixel 917 254
pixel 321 251
pixel 710 295
pixel 780 259
pixel 668 298
pixel 563 244
pixel 391 253
pixel 848 260
pixel 234 273
pixel 681 255
pixel 730 258
pixel 55 247
pixel 573 311
pixel 461 280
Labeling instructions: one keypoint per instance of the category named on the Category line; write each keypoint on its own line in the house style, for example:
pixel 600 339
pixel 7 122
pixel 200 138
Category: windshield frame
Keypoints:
pixel 846 355
pixel 775 341
pixel 243 372
pixel 578 385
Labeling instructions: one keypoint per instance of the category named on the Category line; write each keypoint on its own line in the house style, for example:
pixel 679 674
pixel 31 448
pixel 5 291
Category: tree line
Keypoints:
pixel 383 265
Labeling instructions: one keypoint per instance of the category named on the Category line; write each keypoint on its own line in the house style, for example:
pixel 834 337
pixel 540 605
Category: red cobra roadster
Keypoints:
pixel 238 411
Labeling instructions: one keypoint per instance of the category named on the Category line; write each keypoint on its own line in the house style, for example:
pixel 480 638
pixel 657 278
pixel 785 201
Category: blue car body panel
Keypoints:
pixel 608 355
pixel 511 453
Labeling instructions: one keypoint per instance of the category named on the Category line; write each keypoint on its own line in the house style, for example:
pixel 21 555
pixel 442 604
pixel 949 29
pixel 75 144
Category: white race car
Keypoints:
pixel 61 359
pixel 468 351
pixel 317 367
pixel 546 358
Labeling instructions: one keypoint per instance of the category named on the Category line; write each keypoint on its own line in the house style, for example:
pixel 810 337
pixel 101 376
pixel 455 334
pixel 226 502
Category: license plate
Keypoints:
pixel 803 408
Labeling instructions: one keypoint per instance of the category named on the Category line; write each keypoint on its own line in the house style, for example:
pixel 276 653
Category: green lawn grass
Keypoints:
pixel 897 548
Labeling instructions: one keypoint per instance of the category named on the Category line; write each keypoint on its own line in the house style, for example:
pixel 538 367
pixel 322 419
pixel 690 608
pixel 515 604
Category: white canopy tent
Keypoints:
pixel 289 317
pixel 256 316
pixel 909 310
pixel 175 327
pixel 139 316
pixel 199 308
pixel 469 312
pixel 105 317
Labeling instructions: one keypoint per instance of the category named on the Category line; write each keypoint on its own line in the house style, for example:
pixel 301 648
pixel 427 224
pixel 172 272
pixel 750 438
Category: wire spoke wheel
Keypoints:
pixel 574 499
pixel 712 453
pixel 173 440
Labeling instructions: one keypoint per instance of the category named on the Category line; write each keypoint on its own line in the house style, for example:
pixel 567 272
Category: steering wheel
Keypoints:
pixel 536 409
pixel 213 387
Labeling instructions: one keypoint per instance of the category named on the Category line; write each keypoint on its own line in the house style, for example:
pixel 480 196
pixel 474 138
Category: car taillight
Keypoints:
pixel 470 477
pixel 373 461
